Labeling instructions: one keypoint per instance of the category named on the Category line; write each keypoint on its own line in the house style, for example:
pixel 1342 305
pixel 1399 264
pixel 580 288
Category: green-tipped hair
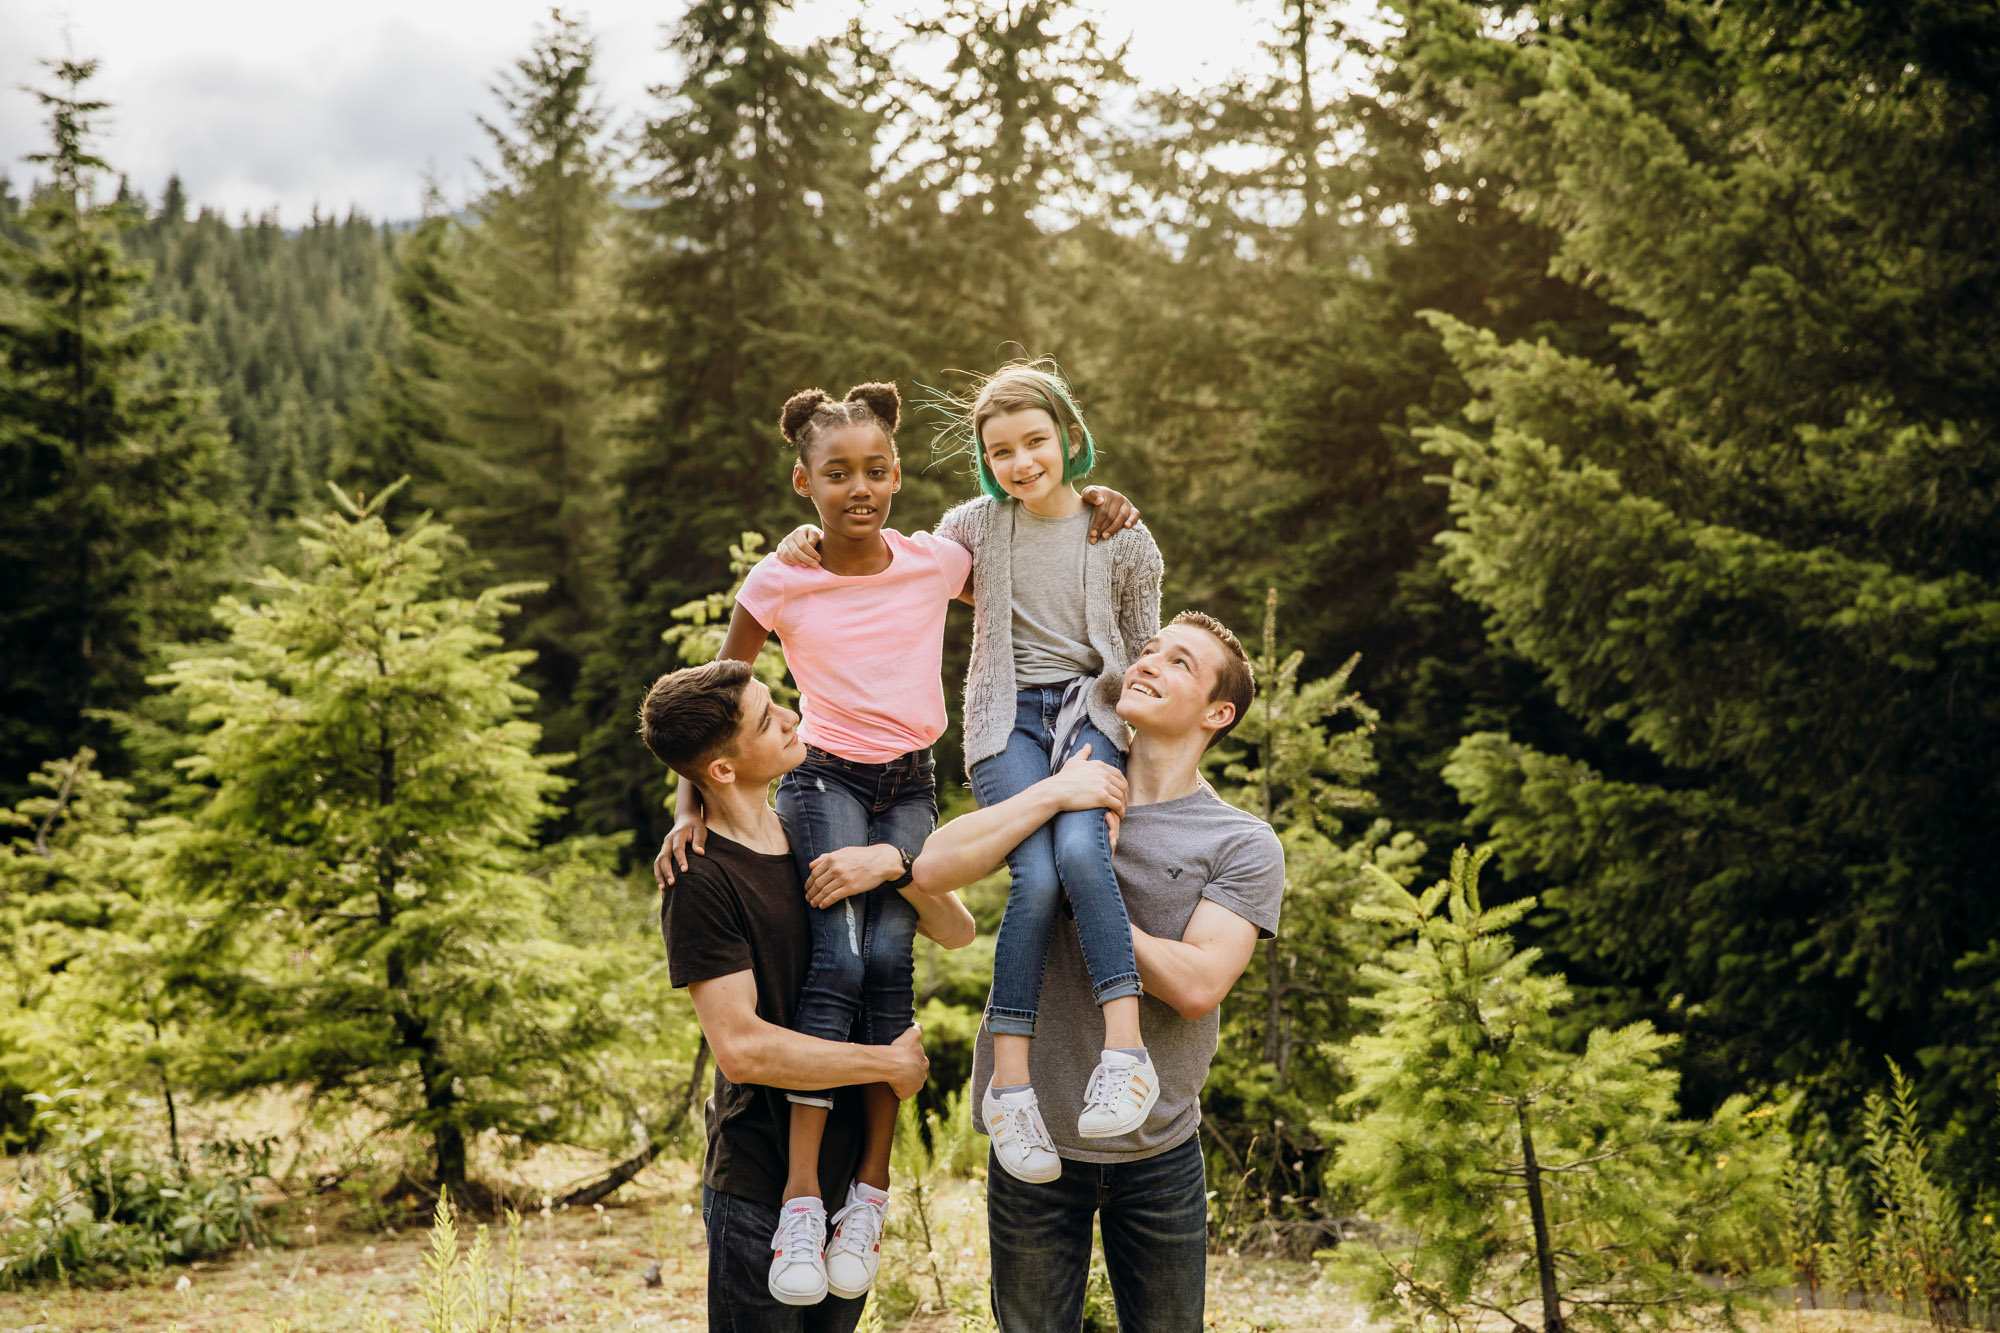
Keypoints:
pixel 1016 387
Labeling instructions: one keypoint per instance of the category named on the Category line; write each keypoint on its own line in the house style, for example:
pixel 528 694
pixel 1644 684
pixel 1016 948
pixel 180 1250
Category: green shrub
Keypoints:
pixel 1906 1236
pixel 97 1204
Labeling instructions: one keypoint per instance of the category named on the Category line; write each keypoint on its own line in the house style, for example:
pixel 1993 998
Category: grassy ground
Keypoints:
pixel 586 1269
pixel 345 1269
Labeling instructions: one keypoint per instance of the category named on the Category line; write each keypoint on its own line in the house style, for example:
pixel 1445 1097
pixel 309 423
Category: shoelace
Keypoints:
pixel 798 1230
pixel 1027 1124
pixel 1109 1086
pixel 863 1232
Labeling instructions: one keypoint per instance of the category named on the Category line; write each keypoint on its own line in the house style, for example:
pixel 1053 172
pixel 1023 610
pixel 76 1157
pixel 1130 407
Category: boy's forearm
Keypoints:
pixel 777 1057
pixel 976 844
pixel 941 917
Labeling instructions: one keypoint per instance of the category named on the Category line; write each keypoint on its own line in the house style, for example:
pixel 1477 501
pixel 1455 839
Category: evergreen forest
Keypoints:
pixel 1587 413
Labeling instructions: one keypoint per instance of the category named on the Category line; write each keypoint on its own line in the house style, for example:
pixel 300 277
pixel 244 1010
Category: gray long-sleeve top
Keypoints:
pixel 1121 588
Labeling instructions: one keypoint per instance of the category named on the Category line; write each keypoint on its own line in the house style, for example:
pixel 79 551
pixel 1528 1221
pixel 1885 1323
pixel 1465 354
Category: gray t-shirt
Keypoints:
pixel 1170 857
pixel 1051 634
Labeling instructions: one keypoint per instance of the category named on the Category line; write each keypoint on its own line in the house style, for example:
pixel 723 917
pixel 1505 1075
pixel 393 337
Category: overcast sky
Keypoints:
pixel 274 103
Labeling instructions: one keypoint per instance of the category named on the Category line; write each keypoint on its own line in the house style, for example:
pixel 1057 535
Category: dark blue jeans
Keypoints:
pixel 739 1275
pixel 1154 1214
pixel 1069 854
pixel 859 985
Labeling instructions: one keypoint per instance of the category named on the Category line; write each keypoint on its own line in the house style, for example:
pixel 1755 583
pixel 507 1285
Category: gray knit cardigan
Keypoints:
pixel 1121 592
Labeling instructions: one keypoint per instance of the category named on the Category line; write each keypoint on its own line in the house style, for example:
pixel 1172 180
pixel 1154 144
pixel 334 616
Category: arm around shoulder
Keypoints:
pixel 962 522
pixel 1141 570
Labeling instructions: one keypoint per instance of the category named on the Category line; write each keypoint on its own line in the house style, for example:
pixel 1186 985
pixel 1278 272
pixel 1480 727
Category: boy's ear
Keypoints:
pixel 1220 714
pixel 720 771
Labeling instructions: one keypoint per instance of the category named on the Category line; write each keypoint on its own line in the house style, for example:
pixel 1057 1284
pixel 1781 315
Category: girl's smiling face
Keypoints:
pixel 1025 452
pixel 849 473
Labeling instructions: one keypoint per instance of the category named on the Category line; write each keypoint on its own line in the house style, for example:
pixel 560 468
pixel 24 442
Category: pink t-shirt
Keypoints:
pixel 866 650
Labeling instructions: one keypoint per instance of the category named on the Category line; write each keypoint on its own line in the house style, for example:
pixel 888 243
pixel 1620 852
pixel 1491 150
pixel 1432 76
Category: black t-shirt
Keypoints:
pixel 737 910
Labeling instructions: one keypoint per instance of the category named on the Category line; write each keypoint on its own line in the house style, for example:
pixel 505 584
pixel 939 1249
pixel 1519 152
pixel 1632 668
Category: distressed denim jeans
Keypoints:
pixel 859 985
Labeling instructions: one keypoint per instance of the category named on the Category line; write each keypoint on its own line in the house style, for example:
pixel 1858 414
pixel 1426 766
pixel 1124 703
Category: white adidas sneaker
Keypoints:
pixel 855 1251
pixel 1020 1139
pixel 1120 1096
pixel 798 1264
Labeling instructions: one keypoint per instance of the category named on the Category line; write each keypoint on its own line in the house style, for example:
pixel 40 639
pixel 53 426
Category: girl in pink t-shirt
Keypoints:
pixel 863 635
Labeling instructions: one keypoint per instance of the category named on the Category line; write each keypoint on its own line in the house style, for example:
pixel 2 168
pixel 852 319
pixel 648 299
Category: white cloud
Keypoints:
pixel 262 105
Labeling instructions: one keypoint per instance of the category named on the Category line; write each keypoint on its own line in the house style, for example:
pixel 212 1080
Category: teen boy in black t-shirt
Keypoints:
pixel 737 938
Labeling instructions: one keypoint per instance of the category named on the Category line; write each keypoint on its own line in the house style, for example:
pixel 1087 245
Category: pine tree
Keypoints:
pixel 285 325
pixel 358 876
pixel 1511 1177
pixel 740 290
pixel 1757 549
pixel 1298 760
pixel 112 464
pixel 399 429
pixel 67 873
pixel 88 991
pixel 1009 145
pixel 515 362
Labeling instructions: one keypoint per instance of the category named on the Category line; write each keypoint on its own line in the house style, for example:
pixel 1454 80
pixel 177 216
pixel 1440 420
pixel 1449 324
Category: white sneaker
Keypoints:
pixel 1020 1139
pixel 855 1251
pixel 1120 1096
pixel 798 1268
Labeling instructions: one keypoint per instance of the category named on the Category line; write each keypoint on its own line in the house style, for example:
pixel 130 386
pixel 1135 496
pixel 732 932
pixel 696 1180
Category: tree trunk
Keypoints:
pixel 173 1123
pixel 1274 1011
pixel 1545 1260
pixel 601 1189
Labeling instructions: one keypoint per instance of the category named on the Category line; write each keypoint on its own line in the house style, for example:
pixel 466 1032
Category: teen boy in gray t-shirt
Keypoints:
pixel 1171 857
pixel 1202 883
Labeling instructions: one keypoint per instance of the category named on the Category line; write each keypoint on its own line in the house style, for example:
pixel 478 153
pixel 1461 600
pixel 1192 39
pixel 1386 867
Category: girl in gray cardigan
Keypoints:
pixel 1058 617
pixel 1057 621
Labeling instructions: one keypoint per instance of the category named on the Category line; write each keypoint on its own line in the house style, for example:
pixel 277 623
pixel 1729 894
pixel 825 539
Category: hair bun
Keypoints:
pixel 880 398
pixel 798 410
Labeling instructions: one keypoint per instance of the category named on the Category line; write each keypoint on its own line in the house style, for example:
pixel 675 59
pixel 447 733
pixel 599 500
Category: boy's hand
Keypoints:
pixel 1113 512
pixel 686 832
pixel 801 547
pixel 913 1065
pixel 846 871
pixel 1084 783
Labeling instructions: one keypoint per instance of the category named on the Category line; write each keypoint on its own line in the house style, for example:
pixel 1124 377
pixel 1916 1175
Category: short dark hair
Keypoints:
pixel 690 716
pixel 1236 682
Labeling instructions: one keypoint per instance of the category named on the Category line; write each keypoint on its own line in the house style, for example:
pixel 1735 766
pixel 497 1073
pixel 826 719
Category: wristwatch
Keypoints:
pixel 902 880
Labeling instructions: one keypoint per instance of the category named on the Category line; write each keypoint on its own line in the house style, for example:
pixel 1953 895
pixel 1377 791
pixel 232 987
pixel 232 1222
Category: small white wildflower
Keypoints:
pixel 185 1283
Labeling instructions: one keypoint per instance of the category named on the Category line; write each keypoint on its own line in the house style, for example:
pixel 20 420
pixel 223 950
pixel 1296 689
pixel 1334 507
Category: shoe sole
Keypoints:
pixel 988 1112
pixel 1145 1110
pixel 786 1298
pixel 833 1290
pixel 1031 1180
